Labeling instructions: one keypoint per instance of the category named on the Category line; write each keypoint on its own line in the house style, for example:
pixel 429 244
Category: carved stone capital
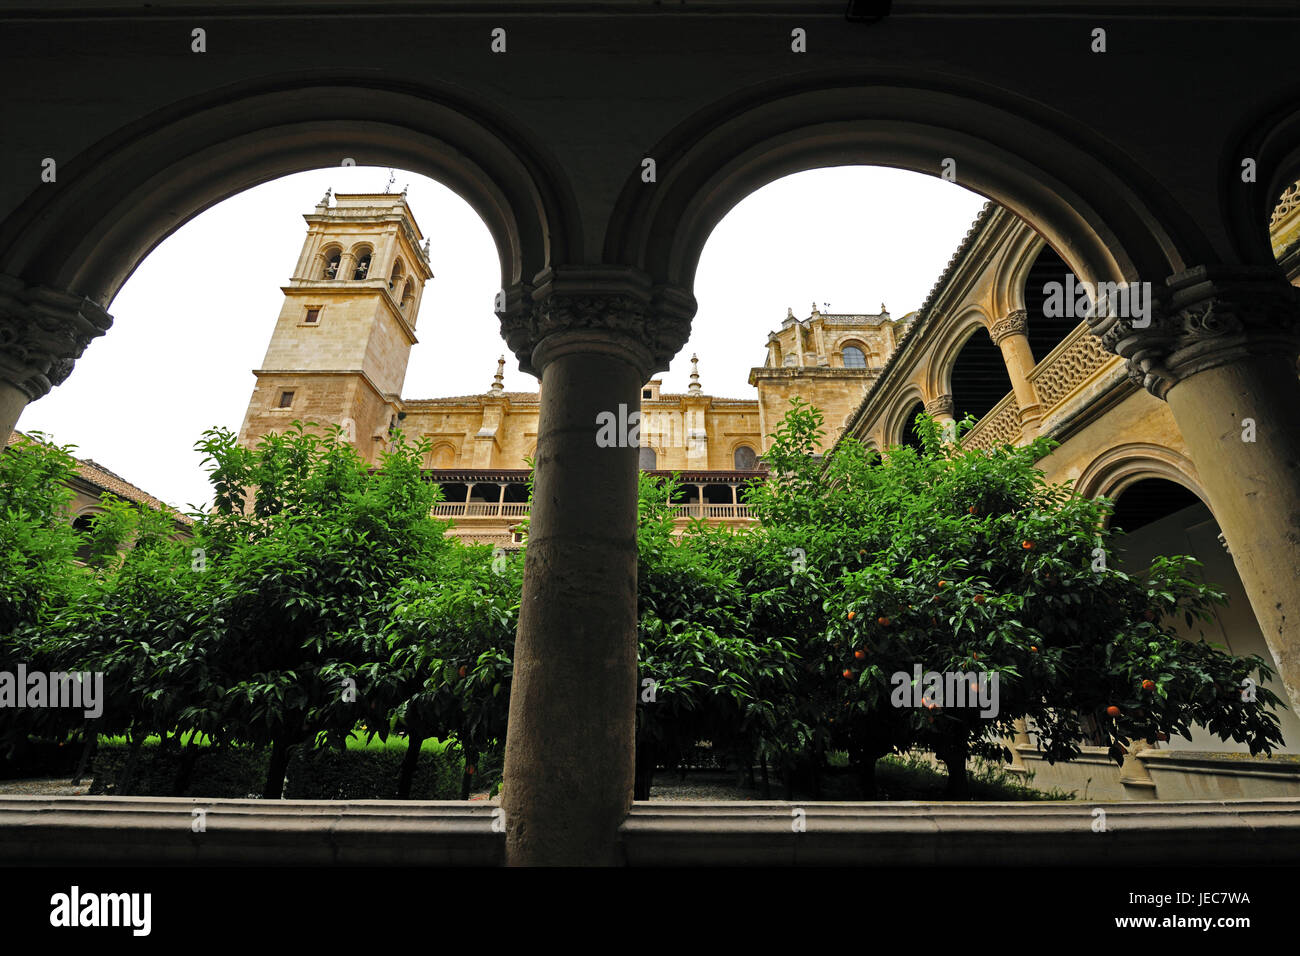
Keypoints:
pixel 1014 323
pixel 1204 318
pixel 595 308
pixel 941 407
pixel 42 334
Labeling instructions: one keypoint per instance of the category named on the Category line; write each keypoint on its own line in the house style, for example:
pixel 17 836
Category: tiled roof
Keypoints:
pixel 100 477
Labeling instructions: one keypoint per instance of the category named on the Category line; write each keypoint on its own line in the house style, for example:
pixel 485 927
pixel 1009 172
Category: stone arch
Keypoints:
pixel 442 455
pixel 853 343
pixel 1012 272
pixel 1273 141
pixel 900 418
pixel 396 273
pixel 952 338
pixel 1110 218
pixel 333 256
pixel 736 456
pixel 361 256
pixel 1120 466
pixel 136 186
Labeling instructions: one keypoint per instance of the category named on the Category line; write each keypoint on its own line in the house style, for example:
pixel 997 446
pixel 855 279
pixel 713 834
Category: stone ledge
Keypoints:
pixel 157 830
pixel 968 834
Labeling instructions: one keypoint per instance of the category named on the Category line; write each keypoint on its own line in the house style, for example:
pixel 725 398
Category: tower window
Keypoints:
pixel 363 267
pixel 331 266
pixel 312 316
pixel 646 393
pixel 853 357
pixel 286 399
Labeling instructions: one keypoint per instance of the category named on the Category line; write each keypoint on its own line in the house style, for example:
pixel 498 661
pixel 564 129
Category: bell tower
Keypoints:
pixel 340 346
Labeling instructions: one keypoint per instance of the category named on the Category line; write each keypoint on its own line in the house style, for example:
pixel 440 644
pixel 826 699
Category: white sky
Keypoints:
pixel 194 320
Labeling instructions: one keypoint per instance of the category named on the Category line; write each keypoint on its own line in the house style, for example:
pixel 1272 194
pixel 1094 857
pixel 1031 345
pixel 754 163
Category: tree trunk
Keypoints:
pixel 954 758
pixel 185 772
pixel 126 779
pixel 409 762
pixel 276 769
pixel 767 784
pixel 867 775
pixel 467 778
pixel 88 748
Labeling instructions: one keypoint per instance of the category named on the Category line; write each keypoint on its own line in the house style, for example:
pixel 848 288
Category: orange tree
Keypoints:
pixel 967 565
pixel 706 671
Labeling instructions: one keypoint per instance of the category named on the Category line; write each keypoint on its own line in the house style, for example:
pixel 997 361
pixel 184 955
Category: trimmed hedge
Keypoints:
pixel 362 772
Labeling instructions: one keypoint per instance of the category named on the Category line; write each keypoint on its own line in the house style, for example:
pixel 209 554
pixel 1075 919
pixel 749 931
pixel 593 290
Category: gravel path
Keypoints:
pixel 58 787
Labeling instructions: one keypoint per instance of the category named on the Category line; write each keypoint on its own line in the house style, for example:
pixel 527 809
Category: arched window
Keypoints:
pixel 82 525
pixel 745 459
pixel 911 438
pixel 647 459
pixel 408 296
pixel 331 270
pixel 363 265
pixel 396 274
pixel 979 377
pixel 853 357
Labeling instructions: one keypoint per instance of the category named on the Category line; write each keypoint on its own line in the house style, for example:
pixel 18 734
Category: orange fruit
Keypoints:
pixel 1033 648
pixel 851 613
pixel 860 654
pixel 1027 545
pixel 463 670
pixel 1112 710
pixel 883 621
pixel 1148 685
pixel 848 674
pixel 470 770
pixel 943 584
pixel 978 599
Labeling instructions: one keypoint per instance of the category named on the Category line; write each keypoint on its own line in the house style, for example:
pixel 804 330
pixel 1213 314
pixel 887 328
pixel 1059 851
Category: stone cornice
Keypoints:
pixel 1205 317
pixel 605 307
pixel 42 334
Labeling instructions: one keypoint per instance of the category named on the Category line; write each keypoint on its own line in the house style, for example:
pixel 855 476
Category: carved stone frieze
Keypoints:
pixel 43 333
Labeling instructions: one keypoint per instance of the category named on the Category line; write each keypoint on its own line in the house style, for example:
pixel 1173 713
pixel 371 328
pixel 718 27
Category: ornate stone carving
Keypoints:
pixel 941 407
pixel 1014 323
pixel 1204 318
pixel 654 320
pixel 1001 426
pixel 43 333
pixel 1060 375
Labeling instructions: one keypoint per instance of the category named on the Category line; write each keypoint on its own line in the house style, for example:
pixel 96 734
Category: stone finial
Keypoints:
pixel 325 200
pixel 498 380
pixel 814 309
pixel 694 387
pixel 426 249
pixel 883 310
pixel 404 189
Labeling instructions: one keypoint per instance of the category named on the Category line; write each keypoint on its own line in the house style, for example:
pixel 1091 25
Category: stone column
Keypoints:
pixel 1010 334
pixel 42 334
pixel 1220 347
pixel 943 410
pixel 595 335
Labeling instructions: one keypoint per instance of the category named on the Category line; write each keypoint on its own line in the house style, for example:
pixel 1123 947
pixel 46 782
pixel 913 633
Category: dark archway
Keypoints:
pixel 979 377
pixel 1046 331
pixel 910 437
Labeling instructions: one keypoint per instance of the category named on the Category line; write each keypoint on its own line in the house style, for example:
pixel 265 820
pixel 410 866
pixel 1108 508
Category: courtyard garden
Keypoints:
pixel 316 634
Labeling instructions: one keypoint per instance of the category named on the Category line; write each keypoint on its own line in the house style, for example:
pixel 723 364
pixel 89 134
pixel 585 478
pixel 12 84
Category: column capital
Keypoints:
pixel 941 406
pixel 1201 319
pixel 42 334
pixel 1013 323
pixel 595 308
